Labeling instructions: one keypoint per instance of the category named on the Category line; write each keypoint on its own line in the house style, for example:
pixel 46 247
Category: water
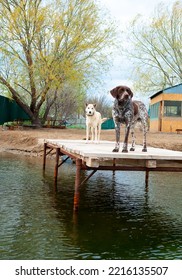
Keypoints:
pixel 117 217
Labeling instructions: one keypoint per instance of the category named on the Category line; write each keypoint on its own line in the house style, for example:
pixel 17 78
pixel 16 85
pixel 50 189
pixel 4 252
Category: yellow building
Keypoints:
pixel 166 109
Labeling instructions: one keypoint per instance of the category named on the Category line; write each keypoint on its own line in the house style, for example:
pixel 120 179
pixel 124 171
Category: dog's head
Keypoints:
pixel 122 93
pixel 90 109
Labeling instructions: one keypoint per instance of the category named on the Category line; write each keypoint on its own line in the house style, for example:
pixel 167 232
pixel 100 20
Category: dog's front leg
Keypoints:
pixel 98 134
pixel 92 132
pixel 125 143
pixel 87 133
pixel 117 131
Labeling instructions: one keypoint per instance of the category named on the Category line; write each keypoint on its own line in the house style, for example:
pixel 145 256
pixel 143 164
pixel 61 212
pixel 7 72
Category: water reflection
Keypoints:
pixel 117 217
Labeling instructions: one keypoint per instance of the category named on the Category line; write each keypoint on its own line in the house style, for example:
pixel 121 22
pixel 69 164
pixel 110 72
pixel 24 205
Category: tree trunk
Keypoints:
pixel 36 122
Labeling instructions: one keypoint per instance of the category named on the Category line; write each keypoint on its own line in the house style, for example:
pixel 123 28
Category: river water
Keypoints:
pixel 117 217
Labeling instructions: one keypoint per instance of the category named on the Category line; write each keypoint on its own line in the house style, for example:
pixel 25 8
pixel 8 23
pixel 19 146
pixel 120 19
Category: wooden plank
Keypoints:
pixel 169 163
pixel 92 162
pixel 178 130
pixel 151 163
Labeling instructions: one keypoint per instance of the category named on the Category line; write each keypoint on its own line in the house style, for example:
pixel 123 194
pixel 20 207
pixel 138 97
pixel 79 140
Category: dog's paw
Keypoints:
pixel 116 150
pixel 124 151
pixel 132 149
pixel 144 150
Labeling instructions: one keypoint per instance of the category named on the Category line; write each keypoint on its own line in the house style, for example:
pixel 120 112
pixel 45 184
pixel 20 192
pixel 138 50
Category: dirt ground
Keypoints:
pixel 30 141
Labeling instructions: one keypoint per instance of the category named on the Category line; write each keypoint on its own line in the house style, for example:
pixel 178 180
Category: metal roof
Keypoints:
pixel 173 89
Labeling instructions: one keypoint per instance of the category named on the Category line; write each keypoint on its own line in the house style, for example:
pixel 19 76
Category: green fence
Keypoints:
pixel 11 111
pixel 109 124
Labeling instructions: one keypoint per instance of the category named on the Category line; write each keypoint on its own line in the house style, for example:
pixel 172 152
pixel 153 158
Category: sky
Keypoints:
pixel 123 11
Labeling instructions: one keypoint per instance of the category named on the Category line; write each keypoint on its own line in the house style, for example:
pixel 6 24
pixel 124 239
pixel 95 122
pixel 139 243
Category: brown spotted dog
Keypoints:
pixel 129 113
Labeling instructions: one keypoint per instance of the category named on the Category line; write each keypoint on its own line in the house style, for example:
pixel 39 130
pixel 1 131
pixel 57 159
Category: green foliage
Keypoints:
pixel 156 48
pixel 45 46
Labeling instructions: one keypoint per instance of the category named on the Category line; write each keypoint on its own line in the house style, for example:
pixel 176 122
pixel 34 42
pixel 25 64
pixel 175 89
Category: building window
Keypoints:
pixel 154 111
pixel 172 108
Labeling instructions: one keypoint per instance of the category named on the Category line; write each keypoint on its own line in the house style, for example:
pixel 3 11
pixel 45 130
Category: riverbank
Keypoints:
pixel 30 141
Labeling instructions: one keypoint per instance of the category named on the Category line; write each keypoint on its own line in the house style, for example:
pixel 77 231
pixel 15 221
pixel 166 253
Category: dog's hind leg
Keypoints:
pixel 133 139
pixel 144 139
pixel 98 133
pixel 95 129
pixel 144 121
pixel 145 129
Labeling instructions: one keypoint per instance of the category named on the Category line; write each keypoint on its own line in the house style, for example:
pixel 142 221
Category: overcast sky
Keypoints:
pixel 123 11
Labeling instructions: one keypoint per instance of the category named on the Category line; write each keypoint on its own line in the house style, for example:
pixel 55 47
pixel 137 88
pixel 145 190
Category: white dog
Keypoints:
pixel 93 123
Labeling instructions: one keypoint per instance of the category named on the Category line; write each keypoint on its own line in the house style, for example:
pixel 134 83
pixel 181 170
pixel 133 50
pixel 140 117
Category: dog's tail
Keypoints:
pixel 103 120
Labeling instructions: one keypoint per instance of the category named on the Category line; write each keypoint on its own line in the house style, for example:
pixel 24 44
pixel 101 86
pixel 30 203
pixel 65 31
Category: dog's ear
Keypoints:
pixel 94 105
pixel 114 92
pixel 129 91
pixel 86 104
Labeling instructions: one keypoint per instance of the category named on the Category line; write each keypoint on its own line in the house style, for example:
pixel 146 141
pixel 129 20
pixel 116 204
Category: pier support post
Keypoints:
pixel 77 183
pixel 114 165
pixel 44 159
pixel 146 179
pixel 56 166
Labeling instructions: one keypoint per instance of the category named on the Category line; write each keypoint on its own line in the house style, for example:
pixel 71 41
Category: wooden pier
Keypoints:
pixel 96 157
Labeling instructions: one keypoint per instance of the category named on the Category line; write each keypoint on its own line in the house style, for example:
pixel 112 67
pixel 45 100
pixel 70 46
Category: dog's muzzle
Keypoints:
pixel 90 113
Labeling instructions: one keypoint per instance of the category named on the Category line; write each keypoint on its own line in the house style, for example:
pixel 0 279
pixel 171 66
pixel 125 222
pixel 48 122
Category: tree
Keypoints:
pixel 68 103
pixel 156 48
pixel 43 46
